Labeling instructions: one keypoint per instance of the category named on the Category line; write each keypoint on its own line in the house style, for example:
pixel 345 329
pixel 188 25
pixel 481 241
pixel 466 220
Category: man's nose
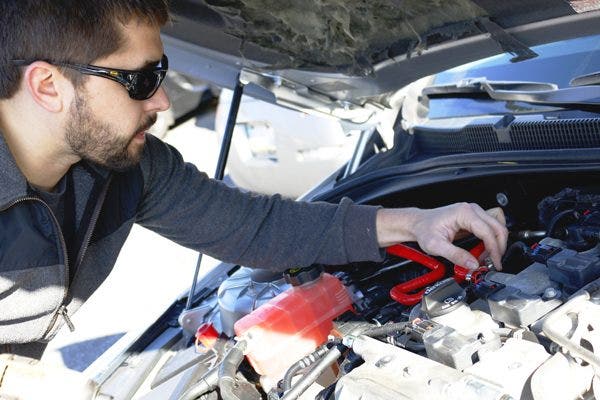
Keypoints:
pixel 158 102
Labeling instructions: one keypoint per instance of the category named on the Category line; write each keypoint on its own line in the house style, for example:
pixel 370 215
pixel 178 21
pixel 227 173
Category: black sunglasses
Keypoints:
pixel 140 84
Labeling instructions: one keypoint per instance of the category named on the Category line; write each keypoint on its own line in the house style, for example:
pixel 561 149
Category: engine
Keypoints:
pixel 414 327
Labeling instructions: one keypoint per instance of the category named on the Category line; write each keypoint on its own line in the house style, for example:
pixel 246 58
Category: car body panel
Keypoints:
pixel 210 39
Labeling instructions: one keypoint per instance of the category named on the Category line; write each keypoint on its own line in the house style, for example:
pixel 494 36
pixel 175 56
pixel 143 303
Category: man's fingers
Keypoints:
pixel 489 231
pixel 497 214
pixel 497 224
pixel 439 227
pixel 453 254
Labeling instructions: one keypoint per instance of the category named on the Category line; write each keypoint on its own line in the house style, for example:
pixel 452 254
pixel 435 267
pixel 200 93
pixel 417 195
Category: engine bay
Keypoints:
pixel 412 326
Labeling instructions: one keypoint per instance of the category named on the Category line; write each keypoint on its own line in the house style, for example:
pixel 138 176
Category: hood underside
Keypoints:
pixel 359 51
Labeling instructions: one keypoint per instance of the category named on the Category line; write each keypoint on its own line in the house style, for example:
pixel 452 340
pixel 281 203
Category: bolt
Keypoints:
pixel 502 199
pixel 550 293
pixel 382 362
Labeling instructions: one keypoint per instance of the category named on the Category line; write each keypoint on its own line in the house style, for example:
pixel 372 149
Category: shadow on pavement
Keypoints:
pixel 78 356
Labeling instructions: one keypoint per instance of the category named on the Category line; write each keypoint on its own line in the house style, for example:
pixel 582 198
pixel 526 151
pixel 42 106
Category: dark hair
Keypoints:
pixel 75 31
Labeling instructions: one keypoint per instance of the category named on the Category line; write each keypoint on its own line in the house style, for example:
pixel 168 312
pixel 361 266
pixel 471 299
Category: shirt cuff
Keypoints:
pixel 360 233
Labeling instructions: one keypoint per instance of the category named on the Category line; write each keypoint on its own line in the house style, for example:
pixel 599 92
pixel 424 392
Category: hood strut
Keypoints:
pixel 220 171
pixel 231 119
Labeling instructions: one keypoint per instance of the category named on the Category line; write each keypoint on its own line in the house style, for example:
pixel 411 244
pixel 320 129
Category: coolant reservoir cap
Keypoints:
pixel 300 276
pixel 443 297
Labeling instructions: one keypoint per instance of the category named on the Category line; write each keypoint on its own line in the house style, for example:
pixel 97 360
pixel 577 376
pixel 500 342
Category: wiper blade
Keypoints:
pixel 528 92
pixel 586 80
pixel 482 85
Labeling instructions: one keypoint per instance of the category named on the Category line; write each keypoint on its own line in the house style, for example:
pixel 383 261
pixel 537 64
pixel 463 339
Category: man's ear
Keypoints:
pixel 46 85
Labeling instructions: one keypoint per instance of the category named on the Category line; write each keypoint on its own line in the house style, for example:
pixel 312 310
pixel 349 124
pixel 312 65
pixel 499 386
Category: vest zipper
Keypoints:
pixel 88 234
pixel 63 312
pixel 62 309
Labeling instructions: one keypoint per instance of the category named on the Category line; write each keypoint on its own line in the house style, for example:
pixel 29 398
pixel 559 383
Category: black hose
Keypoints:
pixel 228 370
pixel 404 341
pixel 385 330
pixel 517 248
pixel 207 383
pixel 556 219
pixel 414 346
pixel 302 364
pixel 516 257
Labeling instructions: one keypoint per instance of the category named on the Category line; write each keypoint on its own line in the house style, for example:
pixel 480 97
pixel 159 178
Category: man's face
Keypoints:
pixel 104 124
pixel 94 140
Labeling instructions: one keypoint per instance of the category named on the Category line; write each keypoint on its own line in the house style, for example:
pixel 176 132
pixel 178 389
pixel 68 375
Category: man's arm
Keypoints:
pixel 185 206
pixel 435 230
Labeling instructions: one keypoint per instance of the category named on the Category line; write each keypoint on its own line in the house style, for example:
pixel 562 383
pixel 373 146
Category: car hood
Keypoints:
pixel 346 58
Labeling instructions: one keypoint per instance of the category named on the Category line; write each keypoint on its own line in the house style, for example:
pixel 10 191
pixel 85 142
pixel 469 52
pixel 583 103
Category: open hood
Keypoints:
pixel 340 57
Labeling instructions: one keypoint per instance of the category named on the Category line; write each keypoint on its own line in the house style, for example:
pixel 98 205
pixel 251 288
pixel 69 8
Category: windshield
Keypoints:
pixel 557 63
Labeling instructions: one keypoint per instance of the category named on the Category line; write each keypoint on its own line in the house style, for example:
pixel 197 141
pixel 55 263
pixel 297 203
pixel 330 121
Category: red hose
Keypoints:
pixel 460 272
pixel 400 292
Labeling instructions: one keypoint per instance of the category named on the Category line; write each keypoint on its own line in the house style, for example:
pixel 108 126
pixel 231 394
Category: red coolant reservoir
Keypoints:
pixel 293 324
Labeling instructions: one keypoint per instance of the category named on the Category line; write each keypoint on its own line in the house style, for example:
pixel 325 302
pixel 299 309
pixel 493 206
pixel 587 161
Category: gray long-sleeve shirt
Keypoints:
pixel 175 200
pixel 186 206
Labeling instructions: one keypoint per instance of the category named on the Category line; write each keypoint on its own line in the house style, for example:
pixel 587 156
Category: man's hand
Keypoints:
pixel 435 230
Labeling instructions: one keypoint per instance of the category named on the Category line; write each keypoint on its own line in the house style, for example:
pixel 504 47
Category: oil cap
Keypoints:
pixel 442 297
pixel 301 276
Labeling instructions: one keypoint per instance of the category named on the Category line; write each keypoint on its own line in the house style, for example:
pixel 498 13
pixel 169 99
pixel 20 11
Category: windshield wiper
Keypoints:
pixel 586 80
pixel 528 92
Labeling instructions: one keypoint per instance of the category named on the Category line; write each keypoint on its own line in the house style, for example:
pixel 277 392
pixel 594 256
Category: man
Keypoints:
pixel 80 86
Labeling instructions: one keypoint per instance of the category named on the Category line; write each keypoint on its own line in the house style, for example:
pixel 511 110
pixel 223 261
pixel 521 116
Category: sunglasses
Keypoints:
pixel 140 84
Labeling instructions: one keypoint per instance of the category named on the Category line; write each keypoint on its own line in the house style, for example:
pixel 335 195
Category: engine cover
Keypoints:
pixel 393 373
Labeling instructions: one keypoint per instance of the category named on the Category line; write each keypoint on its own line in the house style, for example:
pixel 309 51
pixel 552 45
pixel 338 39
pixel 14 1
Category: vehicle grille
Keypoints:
pixel 531 135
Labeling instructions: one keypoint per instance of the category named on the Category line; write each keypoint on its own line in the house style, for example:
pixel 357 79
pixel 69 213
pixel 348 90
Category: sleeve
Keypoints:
pixel 184 205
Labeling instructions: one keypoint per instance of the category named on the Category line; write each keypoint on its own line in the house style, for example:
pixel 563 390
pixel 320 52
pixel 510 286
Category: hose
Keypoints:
pixel 300 387
pixel 401 292
pixel 556 219
pixel 462 273
pixel 528 235
pixel 385 330
pixel 414 346
pixel 229 387
pixel 301 364
pixel 207 383
pixel 517 248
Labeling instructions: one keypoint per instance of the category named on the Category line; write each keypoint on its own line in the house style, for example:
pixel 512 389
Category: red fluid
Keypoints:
pixel 293 324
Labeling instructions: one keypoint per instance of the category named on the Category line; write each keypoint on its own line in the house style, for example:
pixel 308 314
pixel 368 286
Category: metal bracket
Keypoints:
pixel 191 319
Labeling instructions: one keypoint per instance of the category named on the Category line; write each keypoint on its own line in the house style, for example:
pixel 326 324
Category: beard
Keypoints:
pixel 96 141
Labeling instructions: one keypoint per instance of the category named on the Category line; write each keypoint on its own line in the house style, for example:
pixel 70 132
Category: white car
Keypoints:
pixel 278 150
pixel 509 117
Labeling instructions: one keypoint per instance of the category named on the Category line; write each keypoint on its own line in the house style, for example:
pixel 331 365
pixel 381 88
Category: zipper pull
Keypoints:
pixel 63 311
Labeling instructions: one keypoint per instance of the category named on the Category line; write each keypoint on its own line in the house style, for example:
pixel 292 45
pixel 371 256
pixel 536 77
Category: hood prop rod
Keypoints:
pixel 220 171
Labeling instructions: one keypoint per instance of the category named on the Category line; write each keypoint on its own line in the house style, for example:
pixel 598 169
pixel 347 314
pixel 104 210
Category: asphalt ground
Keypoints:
pixel 150 273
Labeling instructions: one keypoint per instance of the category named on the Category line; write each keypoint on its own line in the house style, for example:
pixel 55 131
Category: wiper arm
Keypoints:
pixel 528 92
